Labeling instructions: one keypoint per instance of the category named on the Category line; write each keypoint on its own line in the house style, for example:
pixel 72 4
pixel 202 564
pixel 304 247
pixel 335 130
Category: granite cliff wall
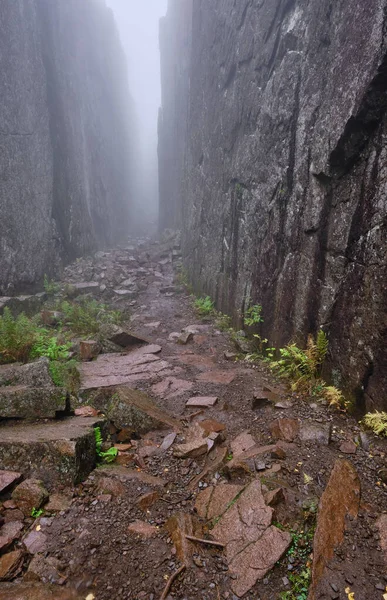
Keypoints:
pixel 283 183
pixel 64 136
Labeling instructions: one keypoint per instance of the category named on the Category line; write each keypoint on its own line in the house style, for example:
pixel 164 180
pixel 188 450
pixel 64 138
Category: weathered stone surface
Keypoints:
pixel 320 434
pixel 10 565
pixel 35 542
pixel 171 387
pixel 210 425
pixel 167 442
pixel 29 494
pixel 111 485
pixel 35 374
pixel 214 501
pixel 381 524
pixel 131 409
pixel 128 338
pixel 31 403
pixel 202 401
pixel 257 559
pixel 89 349
pixel 244 522
pixel 142 529
pixel 184 338
pixel 37 591
pixel 295 108
pixel 125 474
pixel 61 451
pixel 8 533
pixel 340 499
pixel 8 479
pixel 147 500
pixel 285 429
pixel 191 449
pixel 58 503
pixel 242 443
pixel 348 447
pixel 61 198
pixel 116 369
pixel 178 526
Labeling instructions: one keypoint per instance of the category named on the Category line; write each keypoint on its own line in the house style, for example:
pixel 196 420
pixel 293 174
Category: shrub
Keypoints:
pixel 86 316
pixel 48 345
pixel 377 422
pixel 204 306
pixel 253 315
pixel 50 287
pixel 17 337
pixel 65 375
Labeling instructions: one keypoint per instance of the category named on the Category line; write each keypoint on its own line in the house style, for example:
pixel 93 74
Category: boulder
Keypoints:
pixel 30 494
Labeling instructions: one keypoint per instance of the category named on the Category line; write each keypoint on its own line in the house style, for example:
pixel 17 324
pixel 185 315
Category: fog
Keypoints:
pixel 138 24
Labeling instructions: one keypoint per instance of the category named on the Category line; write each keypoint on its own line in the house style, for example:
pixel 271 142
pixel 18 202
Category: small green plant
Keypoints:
pixel 303 367
pixel 86 316
pixel 17 337
pixel 65 374
pixel 48 345
pixel 108 456
pixel 204 306
pixel 50 287
pixel 376 421
pixel 36 513
pixel 253 315
pixel 223 322
pixel 263 350
pixel 300 553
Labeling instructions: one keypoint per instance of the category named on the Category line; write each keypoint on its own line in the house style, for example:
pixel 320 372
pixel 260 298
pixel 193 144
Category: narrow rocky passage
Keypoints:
pixel 210 447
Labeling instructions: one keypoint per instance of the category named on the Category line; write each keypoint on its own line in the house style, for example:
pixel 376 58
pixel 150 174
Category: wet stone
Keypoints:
pixel 285 429
pixel 8 479
pixel 30 494
pixel 202 401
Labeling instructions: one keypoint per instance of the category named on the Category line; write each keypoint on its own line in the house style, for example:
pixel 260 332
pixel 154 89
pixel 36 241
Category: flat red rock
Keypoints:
pixel 217 377
pixel 202 401
pixel 7 479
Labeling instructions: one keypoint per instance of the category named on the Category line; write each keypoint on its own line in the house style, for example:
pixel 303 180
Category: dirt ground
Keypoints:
pixel 99 555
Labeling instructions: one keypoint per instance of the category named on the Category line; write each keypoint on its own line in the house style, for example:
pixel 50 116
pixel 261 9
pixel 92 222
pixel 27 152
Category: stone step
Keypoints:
pixel 61 451
pixel 25 402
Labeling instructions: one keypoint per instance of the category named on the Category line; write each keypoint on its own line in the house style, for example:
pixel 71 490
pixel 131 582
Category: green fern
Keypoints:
pixel 377 422
pixel 108 456
pixel 204 306
pixel 253 315
pixel 17 337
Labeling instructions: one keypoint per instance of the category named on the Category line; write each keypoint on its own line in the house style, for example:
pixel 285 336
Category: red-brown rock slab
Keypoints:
pixel 278 453
pixel 89 349
pixel 10 565
pixel 109 370
pixel 244 522
pixel 125 474
pixel 37 591
pixel 86 411
pixel 178 526
pixel 210 425
pixel 214 460
pixel 217 377
pixel 244 441
pixel 199 361
pixel 58 503
pixel 191 449
pixel 381 524
pixel 35 542
pixel 30 494
pixel 274 497
pixel 319 434
pixel 12 514
pixel 145 501
pixel 241 463
pixel 184 338
pixel 257 559
pixel 9 532
pixel 202 401
pixel 167 442
pixel 285 429
pixel 142 529
pixel 340 499
pixel 214 501
pixel 127 338
pixel 348 447
pixel 8 479
pixel 171 387
pixel 111 485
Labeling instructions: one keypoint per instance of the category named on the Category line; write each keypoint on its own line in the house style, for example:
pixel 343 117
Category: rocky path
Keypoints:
pixel 222 479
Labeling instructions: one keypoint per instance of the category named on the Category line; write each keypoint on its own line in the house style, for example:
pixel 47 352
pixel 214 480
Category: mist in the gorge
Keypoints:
pixel 138 25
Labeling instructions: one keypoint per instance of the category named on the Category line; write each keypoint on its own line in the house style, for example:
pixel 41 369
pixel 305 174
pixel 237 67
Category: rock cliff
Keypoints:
pixel 64 136
pixel 281 180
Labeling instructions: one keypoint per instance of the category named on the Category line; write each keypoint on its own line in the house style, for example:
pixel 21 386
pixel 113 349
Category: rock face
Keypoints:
pixel 64 146
pixel 281 177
